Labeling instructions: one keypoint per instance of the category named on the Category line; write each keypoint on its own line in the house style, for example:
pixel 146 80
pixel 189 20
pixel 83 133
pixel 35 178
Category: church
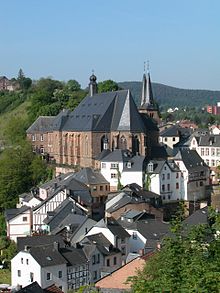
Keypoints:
pixel 101 122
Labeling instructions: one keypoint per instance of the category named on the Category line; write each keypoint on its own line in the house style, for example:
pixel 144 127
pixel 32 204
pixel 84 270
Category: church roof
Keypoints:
pixel 42 124
pixel 111 111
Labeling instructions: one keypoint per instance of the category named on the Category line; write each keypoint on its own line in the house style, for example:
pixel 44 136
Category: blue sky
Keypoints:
pixel 67 39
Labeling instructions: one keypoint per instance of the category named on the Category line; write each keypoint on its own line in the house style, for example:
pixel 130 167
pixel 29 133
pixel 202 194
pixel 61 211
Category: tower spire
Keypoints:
pixel 93 87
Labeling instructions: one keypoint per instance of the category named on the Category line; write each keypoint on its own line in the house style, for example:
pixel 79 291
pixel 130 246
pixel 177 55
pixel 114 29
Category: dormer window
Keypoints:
pixel 129 164
pixel 150 167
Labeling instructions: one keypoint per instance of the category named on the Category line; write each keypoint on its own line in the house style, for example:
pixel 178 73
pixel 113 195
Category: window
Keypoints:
pixel 212 151
pixel 168 176
pixel 114 165
pixel 207 151
pixel 32 277
pixel 213 163
pixel 201 183
pixel 218 152
pixel 174 138
pixel 19 273
pixel 113 175
pixel 41 137
pixel 103 165
pixel 123 250
pixel 48 276
pixel 163 176
pixel 22 260
pixel 27 261
pixel 168 196
pixel 177 185
pixel 177 175
pixel 95 275
pixel 101 188
pixel 94 188
pixel 108 262
pixel 165 138
pixel 60 274
pixel 202 151
pixel 115 260
pixel 163 187
pixel 24 219
pixel 98 258
pixel 168 187
pixel 150 167
pixel 93 259
pixel 134 235
pixel 207 162
pixel 34 137
pixel 106 187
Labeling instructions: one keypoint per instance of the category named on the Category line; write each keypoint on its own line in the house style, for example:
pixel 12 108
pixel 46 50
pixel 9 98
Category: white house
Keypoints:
pixel 28 199
pixel 195 174
pixel 208 147
pixel 120 166
pixel 43 264
pixel 18 222
pixel 165 178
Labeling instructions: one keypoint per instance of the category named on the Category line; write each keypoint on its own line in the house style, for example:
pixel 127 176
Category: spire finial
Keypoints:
pixel 148 66
pixel 144 67
pixel 93 71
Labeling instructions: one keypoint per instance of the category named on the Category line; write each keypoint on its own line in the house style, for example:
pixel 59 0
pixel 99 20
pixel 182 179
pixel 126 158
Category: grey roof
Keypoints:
pixel 198 217
pixel 101 242
pixel 191 159
pixel 61 119
pixel 90 176
pixel 111 111
pixel 113 226
pixel 209 140
pixel 12 213
pixel 32 288
pixel 65 209
pixel 98 239
pixel 42 124
pixel 73 221
pixel 132 214
pixel 38 240
pixel 176 131
pixel 74 256
pixel 47 255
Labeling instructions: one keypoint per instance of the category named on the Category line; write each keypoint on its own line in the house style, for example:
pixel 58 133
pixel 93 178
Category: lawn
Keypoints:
pixel 5 276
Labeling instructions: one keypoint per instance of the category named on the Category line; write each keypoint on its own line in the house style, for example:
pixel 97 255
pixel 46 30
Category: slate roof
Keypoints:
pixel 113 226
pixel 198 217
pixel 109 111
pixel 32 288
pixel 61 119
pixel 12 213
pixel 64 210
pixel 47 255
pixel 90 176
pixel 191 159
pixel 42 124
pixel 176 131
pixel 98 239
pixel 74 256
pixel 38 240
pixel 209 140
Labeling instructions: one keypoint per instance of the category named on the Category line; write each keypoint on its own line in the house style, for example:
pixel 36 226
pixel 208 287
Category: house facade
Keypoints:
pixel 18 222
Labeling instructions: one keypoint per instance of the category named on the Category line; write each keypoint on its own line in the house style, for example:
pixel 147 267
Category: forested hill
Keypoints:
pixel 168 96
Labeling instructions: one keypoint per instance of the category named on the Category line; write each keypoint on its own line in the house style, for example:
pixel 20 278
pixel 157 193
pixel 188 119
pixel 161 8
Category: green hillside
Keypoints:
pixel 168 96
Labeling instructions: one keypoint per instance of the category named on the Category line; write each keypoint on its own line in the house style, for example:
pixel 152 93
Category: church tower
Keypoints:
pixel 93 87
pixel 148 105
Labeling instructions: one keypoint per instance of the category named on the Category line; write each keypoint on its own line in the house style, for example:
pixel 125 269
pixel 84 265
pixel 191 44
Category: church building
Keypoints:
pixel 101 122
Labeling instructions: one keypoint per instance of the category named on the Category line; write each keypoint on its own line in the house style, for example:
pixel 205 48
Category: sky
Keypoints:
pixel 67 39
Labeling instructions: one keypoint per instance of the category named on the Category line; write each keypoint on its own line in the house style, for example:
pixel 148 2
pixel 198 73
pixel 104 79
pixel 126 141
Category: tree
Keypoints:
pixel 107 86
pixel 189 261
pixel 72 86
